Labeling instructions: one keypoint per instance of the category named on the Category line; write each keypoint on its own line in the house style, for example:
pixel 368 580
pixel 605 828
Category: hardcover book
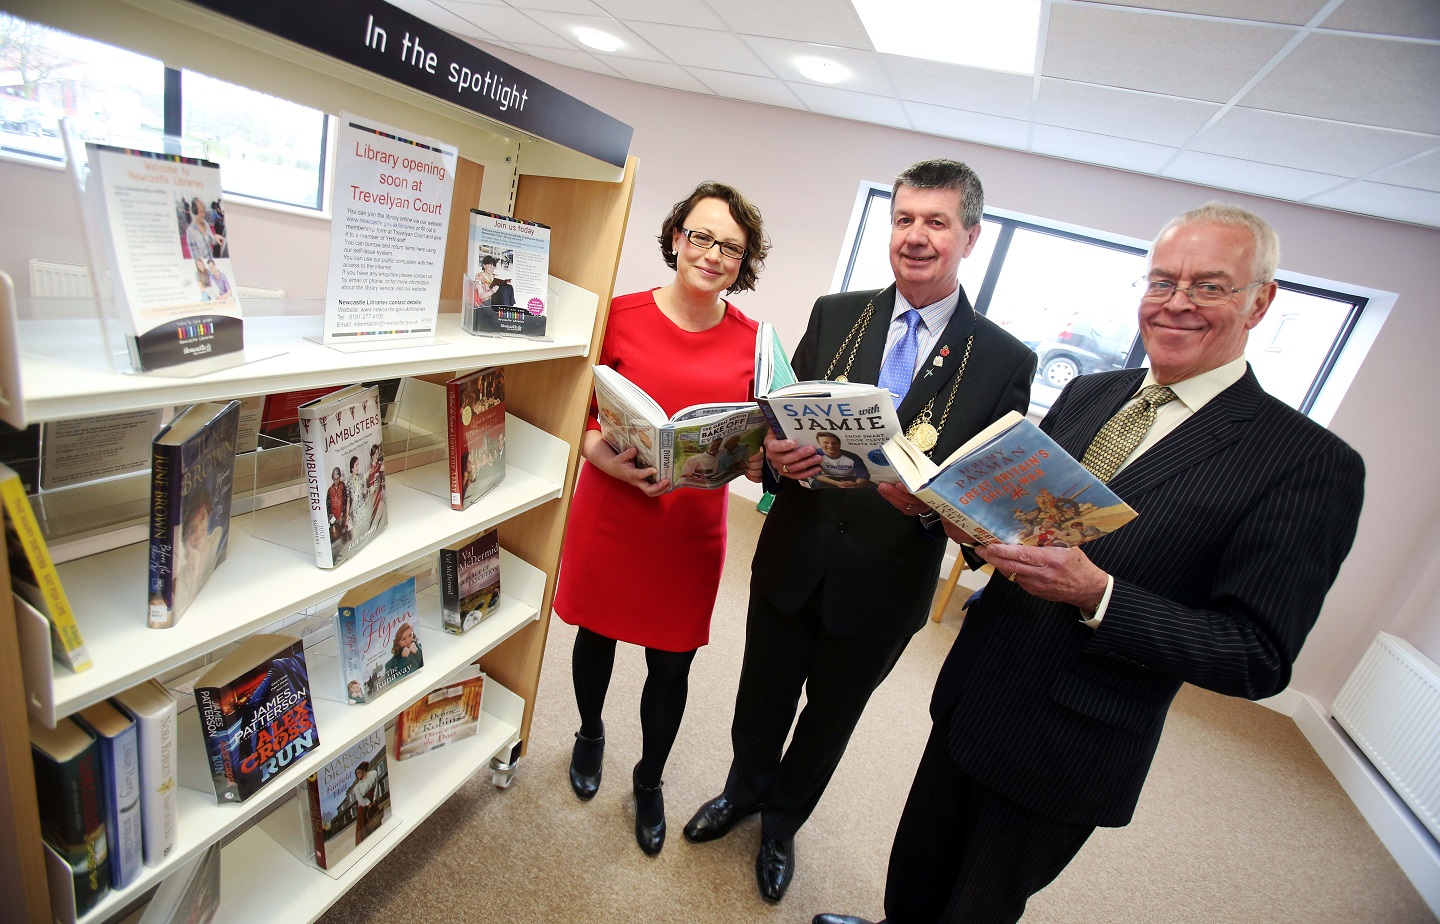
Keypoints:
pixel 153 710
pixel 444 715
pixel 71 800
pixel 469 581
pixel 507 282
pixel 475 411
pixel 348 799
pixel 192 477
pixel 256 715
pixel 119 750
pixel 344 471
pixel 848 424
pixel 378 635
pixel 1011 483
pixel 33 575
pixel 175 291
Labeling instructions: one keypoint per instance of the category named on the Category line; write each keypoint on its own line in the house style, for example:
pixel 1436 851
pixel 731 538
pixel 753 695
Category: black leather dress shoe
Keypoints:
pixel 774 867
pixel 649 816
pixel 715 819
pixel 586 761
pixel 838 919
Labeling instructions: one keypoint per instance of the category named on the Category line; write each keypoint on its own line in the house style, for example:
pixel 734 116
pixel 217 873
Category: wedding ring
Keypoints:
pixel 1012 576
pixel 785 469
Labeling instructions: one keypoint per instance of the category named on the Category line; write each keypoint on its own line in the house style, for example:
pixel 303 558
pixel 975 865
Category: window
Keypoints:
pixel 1067 294
pixel 270 149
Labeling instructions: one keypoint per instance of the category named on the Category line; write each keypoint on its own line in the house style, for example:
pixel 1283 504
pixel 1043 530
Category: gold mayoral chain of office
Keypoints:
pixel 921 431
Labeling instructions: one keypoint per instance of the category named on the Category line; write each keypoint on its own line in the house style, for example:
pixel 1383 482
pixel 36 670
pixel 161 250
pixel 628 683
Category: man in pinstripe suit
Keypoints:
pixel 1050 705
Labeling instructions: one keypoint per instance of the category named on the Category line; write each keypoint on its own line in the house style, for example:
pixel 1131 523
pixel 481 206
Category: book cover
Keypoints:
pixel 1011 483
pixel 508 274
pixel 445 714
pixel 192 477
pixel 469 581
pixel 174 283
pixel 255 714
pixel 847 422
pixel 119 749
pixel 378 635
pixel 153 710
pixel 348 799
pixel 33 575
pixel 280 415
pixel 189 895
pixel 71 801
pixel 475 412
pixel 344 471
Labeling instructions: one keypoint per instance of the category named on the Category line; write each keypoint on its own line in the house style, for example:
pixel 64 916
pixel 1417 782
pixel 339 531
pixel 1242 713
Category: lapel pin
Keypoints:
pixel 944 351
pixel 938 361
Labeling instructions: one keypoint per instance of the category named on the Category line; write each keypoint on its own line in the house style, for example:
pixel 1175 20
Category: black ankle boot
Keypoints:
pixel 586 761
pixel 649 816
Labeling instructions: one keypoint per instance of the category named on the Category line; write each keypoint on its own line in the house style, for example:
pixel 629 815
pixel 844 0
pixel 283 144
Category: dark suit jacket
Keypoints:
pixel 1246 511
pixel 880 567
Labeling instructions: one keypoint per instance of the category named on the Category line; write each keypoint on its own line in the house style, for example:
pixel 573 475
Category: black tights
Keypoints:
pixel 662 703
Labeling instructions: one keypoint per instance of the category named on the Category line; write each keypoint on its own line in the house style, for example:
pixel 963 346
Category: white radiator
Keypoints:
pixel 1390 706
pixel 49 279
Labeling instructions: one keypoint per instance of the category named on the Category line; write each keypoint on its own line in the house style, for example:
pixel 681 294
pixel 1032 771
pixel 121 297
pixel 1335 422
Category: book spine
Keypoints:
pixel 775 426
pixel 164 522
pixel 120 774
pixel 348 622
pixel 952 513
pixel 64 632
pixel 159 811
pixel 456 431
pixel 222 765
pixel 312 441
pixel 317 822
pixel 450 615
pixel 70 797
pixel 665 465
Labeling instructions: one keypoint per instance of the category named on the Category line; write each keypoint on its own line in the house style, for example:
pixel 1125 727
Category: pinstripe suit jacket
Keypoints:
pixel 1246 511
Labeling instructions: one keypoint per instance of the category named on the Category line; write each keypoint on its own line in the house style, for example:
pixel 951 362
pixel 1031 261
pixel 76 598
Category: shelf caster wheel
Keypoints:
pixel 502 767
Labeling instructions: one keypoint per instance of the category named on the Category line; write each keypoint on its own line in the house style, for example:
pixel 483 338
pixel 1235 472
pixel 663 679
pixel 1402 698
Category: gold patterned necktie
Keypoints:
pixel 1123 432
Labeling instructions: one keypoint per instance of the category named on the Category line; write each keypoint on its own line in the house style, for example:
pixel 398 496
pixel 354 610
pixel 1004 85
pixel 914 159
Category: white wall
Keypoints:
pixel 803 171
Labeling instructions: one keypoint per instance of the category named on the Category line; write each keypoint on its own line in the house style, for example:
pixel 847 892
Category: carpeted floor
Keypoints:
pixel 1240 821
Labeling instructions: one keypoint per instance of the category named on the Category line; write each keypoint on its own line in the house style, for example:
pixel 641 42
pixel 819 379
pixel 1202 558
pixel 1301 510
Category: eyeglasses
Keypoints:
pixel 705 242
pixel 1205 294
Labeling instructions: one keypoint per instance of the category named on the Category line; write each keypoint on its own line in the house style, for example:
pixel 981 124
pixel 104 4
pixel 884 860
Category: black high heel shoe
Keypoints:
pixel 649 816
pixel 586 761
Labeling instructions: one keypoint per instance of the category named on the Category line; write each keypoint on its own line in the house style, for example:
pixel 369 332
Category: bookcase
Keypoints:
pixel 46 374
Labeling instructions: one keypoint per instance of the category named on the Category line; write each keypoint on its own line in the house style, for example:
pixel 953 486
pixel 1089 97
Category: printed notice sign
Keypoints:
pixel 391 204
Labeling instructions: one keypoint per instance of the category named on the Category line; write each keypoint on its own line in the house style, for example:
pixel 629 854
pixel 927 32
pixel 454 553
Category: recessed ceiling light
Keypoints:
pixel 821 70
pixel 977 33
pixel 600 41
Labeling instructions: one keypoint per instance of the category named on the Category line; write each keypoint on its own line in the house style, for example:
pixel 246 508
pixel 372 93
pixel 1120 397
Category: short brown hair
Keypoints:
pixel 746 215
pixel 942 173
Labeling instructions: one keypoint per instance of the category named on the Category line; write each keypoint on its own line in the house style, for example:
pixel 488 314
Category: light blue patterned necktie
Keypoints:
pixel 898 369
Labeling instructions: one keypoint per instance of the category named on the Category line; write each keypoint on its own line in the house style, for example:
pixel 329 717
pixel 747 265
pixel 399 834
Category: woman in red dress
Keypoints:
pixel 683 344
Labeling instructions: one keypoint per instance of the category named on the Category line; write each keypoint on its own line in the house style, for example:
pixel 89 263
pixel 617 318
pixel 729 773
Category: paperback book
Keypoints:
pixel 378 635
pixel 256 715
pixel 174 285
pixel 1011 483
pixel 847 422
pixel 119 751
pixel 154 712
pixel 71 799
pixel 33 575
pixel 189 895
pixel 507 281
pixel 344 471
pixel 469 581
pixel 192 478
pixel 475 413
pixel 442 716
pixel 348 799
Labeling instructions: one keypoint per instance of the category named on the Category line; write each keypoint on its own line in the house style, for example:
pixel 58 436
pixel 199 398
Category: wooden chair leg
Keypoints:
pixel 942 598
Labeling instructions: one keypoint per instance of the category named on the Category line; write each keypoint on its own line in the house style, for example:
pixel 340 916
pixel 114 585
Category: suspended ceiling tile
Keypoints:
pixel 1248 176
pixel 569 57
pixel 969 126
pixel 1106 150
pixel 1415 18
pixel 582 7
pixel 442 16
pixel 509 25
pixel 1147 117
pixel 566 25
pixel 1337 148
pixel 1396 202
pixel 675 12
pixel 722 51
pixel 957 87
pixel 867 76
pixel 1292 12
pixel 1369 81
pixel 829 22
pixel 862 107
pixel 1158 54
pixel 658 73
pixel 1421 173
pixel 766 90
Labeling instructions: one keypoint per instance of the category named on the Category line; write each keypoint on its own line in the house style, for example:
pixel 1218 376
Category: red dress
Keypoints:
pixel 643 569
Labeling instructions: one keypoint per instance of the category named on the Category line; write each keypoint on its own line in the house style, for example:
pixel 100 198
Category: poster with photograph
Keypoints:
pixel 507 291
pixel 391 209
